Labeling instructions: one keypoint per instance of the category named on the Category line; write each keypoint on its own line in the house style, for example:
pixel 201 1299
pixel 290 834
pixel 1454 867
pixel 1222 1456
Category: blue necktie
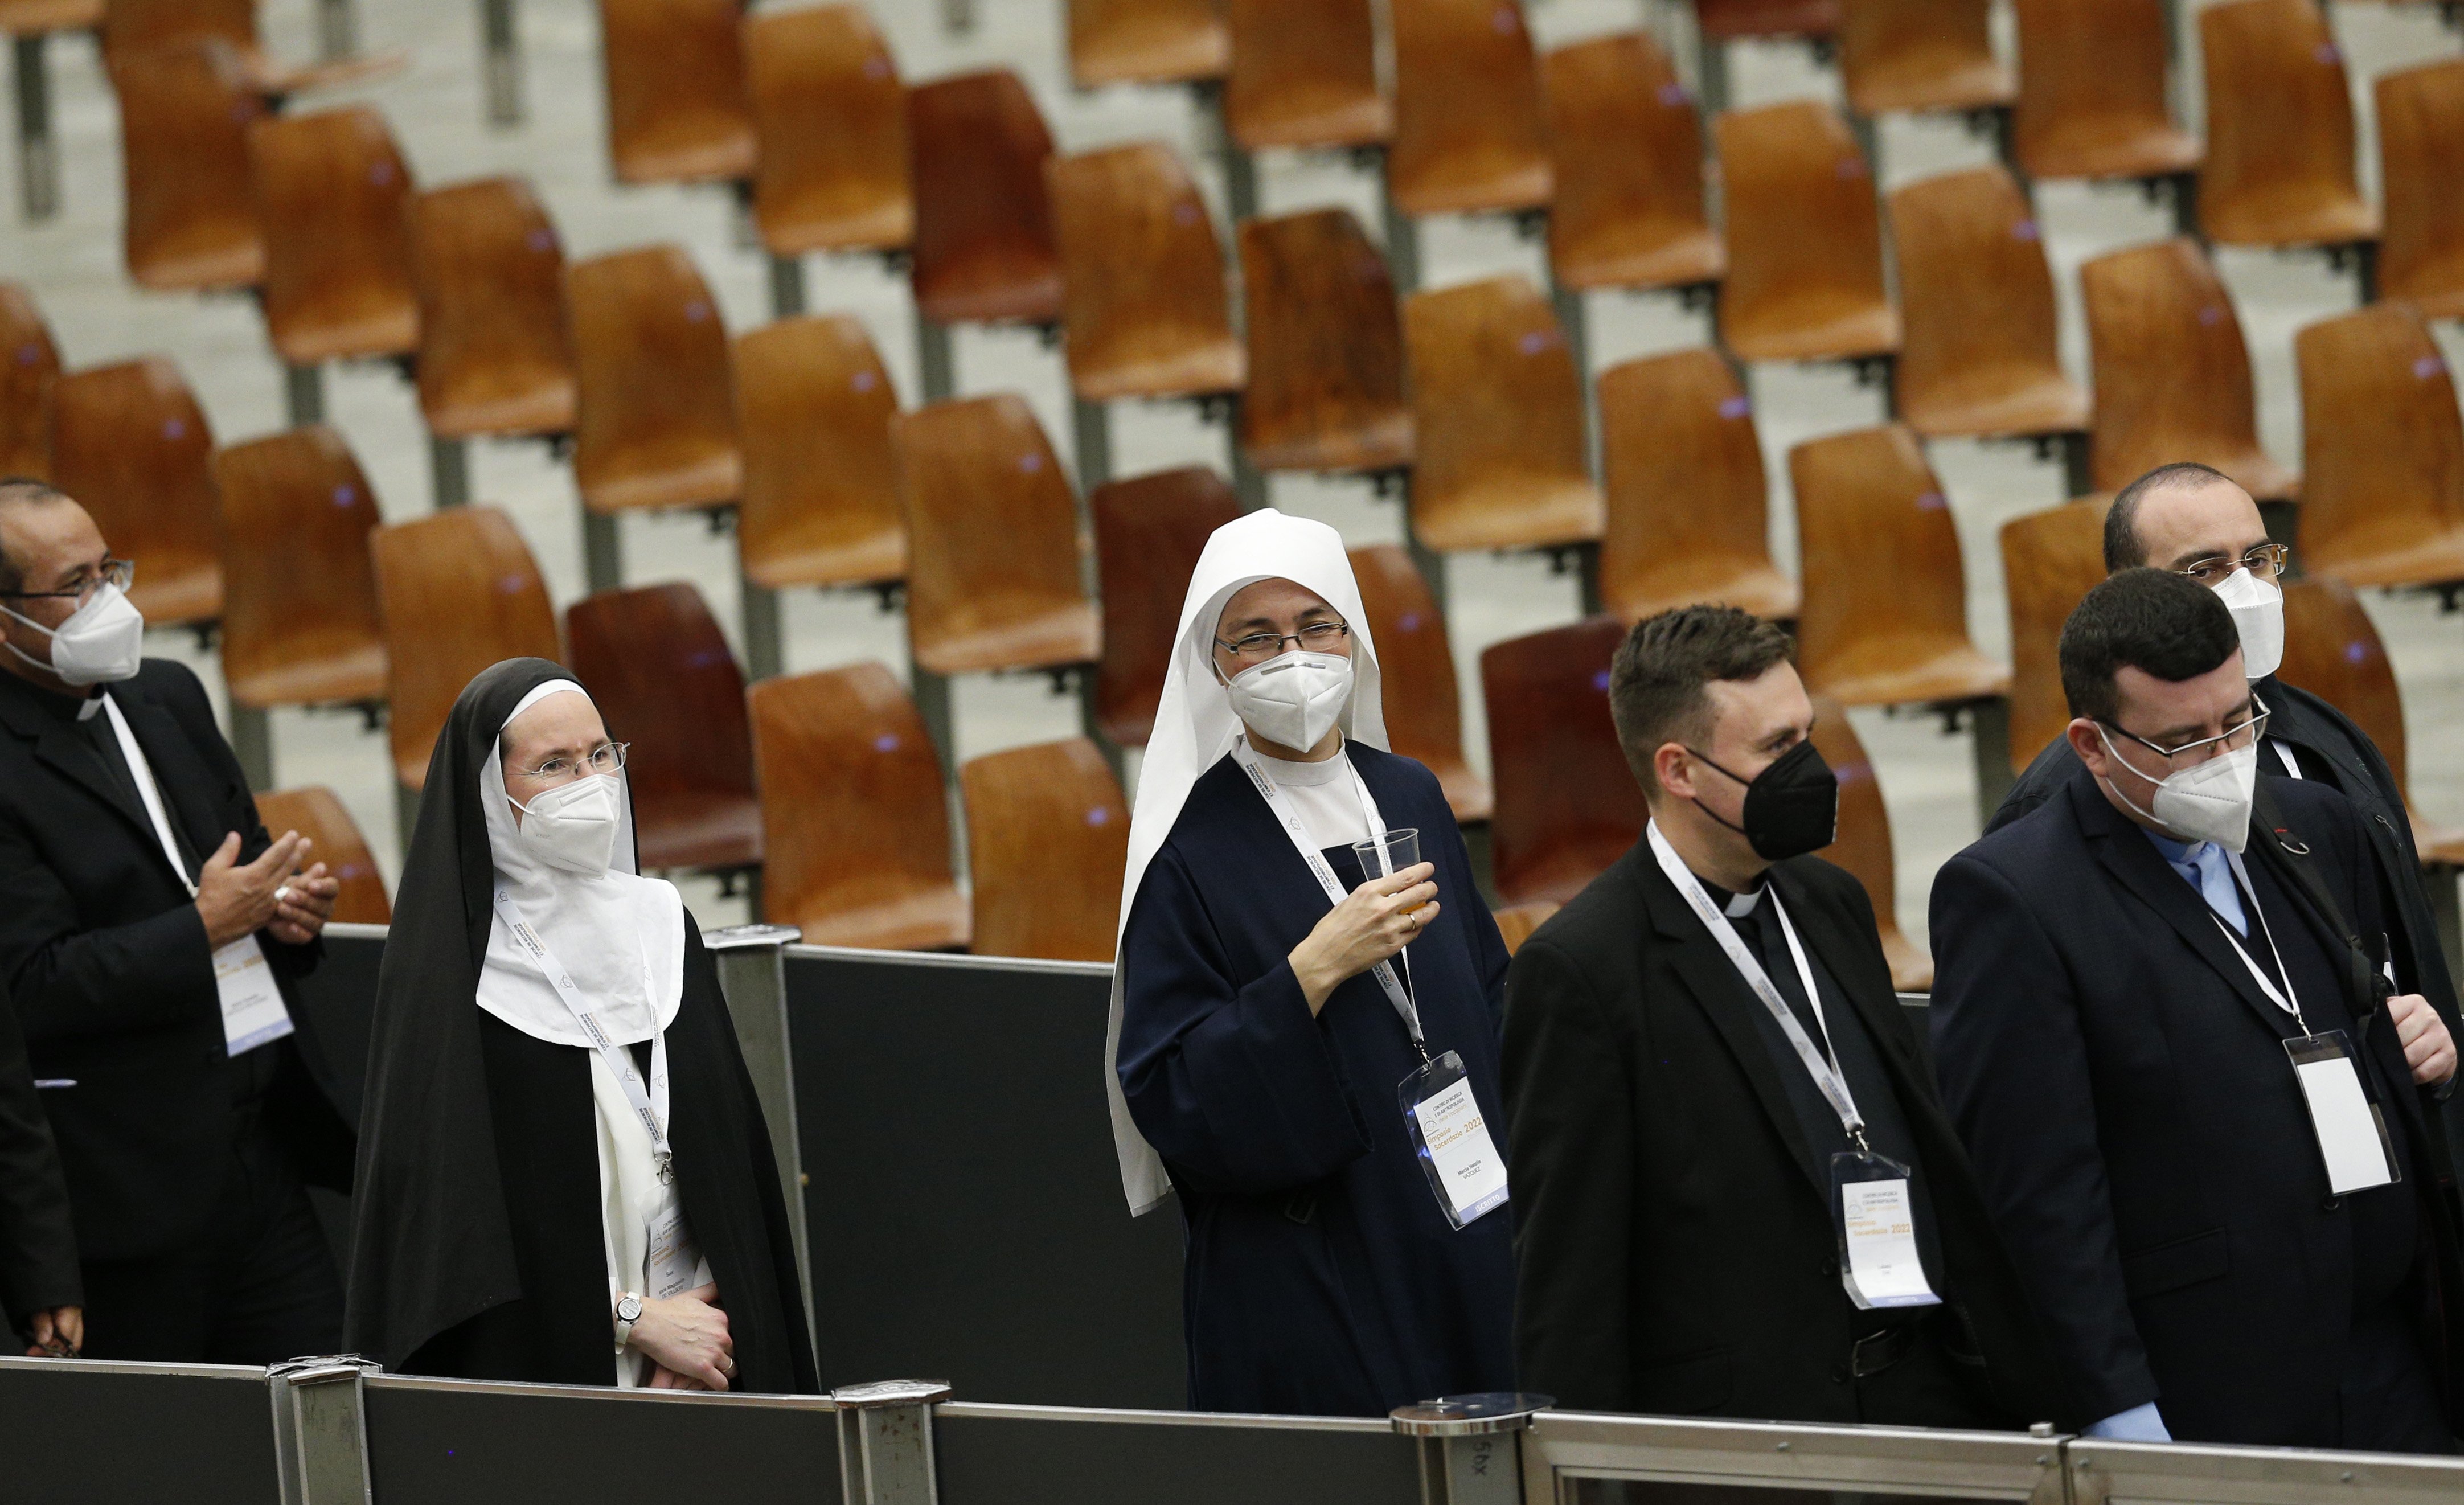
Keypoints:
pixel 2207 871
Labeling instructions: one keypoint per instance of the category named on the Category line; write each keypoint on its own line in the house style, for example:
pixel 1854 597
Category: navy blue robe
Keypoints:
pixel 1322 1278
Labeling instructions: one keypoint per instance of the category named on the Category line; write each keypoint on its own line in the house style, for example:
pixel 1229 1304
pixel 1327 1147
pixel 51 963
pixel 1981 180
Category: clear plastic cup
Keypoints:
pixel 1384 857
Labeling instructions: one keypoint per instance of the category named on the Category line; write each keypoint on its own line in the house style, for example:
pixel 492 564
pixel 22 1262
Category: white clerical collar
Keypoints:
pixel 1740 905
pixel 1326 770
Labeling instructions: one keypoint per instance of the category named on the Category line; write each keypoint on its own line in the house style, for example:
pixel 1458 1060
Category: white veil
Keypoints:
pixel 1193 727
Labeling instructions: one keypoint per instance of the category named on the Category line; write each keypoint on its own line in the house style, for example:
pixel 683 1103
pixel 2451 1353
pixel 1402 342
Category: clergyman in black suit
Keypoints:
pixel 2134 986
pixel 150 936
pixel 1673 1150
pixel 39 1271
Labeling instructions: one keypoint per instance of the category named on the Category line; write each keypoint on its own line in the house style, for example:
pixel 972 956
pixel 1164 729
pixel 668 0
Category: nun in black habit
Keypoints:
pixel 564 1174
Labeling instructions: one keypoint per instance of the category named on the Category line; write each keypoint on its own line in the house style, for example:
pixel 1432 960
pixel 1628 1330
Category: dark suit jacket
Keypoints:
pixel 2120 1084
pixel 1675 1241
pixel 38 1266
pixel 104 955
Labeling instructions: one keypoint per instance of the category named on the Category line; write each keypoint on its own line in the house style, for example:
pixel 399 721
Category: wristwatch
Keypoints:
pixel 628 1311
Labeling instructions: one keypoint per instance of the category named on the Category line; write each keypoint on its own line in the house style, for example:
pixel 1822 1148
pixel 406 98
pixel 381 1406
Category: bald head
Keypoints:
pixel 2177 516
pixel 19 495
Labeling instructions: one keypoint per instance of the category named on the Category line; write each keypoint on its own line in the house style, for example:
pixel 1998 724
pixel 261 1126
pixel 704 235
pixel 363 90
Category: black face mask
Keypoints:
pixel 1792 808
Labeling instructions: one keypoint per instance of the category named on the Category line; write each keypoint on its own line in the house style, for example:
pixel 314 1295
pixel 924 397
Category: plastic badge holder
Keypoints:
pixel 1874 1215
pixel 2352 1130
pixel 1451 1138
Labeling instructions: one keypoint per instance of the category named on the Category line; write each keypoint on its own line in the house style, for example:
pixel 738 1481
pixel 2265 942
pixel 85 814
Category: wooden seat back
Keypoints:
pixel 1913 56
pixel 2171 375
pixel 1145 307
pixel 301 625
pixel 1325 347
pixel 1515 923
pixel 2334 651
pixel 985 252
pixel 1415 670
pixel 29 370
pixel 1981 352
pixel 676 107
pixel 332 201
pixel 316 813
pixel 2280 168
pixel 1567 805
pixel 2383 451
pixel 1468 136
pixel 132 28
pixel 1148 533
pixel 654 399
pixel 1498 407
pixel 1047 844
pixel 1626 146
pixel 832 119
pixel 659 669
pixel 1805 241
pixel 855 822
pixel 1885 614
pixel 130 444
pixel 820 485
pixel 993 568
pixel 494 355
pixel 1148 41
pixel 190 198
pixel 1863 844
pixel 39 17
pixel 2420 159
pixel 2050 559
pixel 1686 493
pixel 1304 74
pixel 458 592
pixel 1728 20
pixel 2092 101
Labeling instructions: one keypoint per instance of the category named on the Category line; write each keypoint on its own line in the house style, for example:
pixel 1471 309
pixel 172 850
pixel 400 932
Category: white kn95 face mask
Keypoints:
pixel 103 642
pixel 2206 802
pixel 573 826
pixel 2257 608
pixel 1293 699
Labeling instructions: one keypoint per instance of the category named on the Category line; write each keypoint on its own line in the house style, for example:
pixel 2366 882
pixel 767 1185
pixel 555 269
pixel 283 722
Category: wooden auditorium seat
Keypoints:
pixel 1148 533
pixel 29 370
pixel 1885 614
pixel 985 248
pixel 1805 244
pixel 316 813
pixel 2421 160
pixel 1325 347
pixel 1415 668
pixel 832 119
pixel 854 818
pixel 1498 407
pixel 1515 923
pixel 299 595
pixel 676 108
pixel 2334 651
pixel 494 355
pixel 2050 559
pixel 1913 57
pixel 659 668
pixel 332 197
pixel 1304 74
pixel 993 544
pixel 458 592
pixel 1627 146
pixel 1567 805
pixel 132 28
pixel 813 406
pixel 1686 493
pixel 130 443
pixel 654 402
pixel 188 195
pixel 1863 844
pixel 1981 356
pixel 2171 375
pixel 2382 452
pixel 1147 41
pixel 1468 136
pixel 1730 20
pixel 2280 168
pixel 1146 311
pixel 1048 842
pixel 2092 101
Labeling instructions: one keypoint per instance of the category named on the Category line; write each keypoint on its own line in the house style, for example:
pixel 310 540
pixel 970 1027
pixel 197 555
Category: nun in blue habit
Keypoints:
pixel 1266 1005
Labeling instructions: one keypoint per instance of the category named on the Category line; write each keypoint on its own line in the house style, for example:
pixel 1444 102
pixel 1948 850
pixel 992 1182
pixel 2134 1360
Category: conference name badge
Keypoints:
pixel 252 1000
pixel 1450 1135
pixel 1877 1223
pixel 2352 1133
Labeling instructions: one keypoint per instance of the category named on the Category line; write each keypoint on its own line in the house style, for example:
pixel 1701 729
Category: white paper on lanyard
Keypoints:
pixel 673 1264
pixel 1882 1226
pixel 650 1104
pixel 1470 1170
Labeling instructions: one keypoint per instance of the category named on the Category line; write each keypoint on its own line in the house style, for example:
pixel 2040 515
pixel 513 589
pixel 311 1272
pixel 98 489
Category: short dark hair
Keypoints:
pixel 1657 679
pixel 21 491
pixel 2122 550
pixel 2152 620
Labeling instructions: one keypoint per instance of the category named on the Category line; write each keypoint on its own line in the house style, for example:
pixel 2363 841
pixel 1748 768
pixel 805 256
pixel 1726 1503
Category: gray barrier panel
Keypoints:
pixel 964 1203
pixel 446 1441
pixel 83 1432
pixel 1021 1454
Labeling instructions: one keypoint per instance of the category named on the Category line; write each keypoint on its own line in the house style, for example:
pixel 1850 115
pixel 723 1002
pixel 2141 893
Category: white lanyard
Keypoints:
pixel 1280 804
pixel 144 773
pixel 2249 898
pixel 651 1106
pixel 1817 1064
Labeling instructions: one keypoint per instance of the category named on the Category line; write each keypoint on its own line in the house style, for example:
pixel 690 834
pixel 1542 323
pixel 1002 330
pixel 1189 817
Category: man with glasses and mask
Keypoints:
pixel 151 932
pixel 2198 1115
pixel 1737 1193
